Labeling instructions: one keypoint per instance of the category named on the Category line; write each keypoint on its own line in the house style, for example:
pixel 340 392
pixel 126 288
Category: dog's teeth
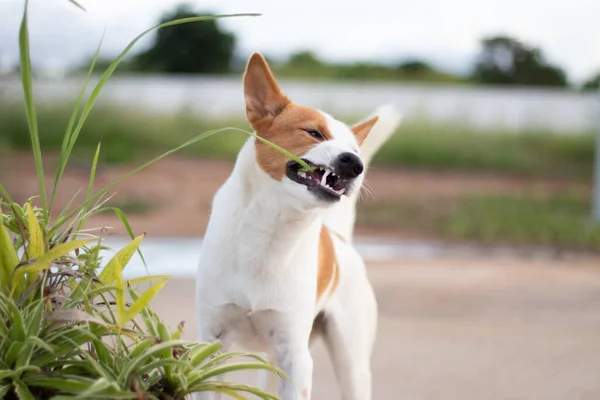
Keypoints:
pixel 341 191
pixel 302 174
pixel 324 178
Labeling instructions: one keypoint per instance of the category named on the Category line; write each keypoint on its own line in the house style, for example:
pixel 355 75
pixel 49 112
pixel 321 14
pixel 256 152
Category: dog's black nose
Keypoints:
pixel 349 165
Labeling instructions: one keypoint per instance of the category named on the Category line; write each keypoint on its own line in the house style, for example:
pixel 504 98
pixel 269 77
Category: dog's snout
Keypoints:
pixel 349 165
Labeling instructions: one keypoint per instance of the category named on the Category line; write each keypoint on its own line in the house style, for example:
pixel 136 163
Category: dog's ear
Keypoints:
pixel 264 99
pixel 362 129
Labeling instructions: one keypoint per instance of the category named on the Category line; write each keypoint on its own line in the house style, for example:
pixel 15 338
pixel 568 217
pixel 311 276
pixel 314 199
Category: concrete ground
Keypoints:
pixel 468 329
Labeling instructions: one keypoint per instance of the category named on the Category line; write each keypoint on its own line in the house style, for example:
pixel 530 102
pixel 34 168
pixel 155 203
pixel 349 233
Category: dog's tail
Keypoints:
pixel 340 219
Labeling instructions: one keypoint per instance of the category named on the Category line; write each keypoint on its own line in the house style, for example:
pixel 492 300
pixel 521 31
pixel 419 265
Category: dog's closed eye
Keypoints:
pixel 314 133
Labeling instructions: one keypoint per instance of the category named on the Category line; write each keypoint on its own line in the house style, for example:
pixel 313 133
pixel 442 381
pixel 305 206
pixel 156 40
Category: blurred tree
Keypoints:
pixel 199 47
pixel 592 83
pixel 506 60
pixel 304 59
pixel 415 67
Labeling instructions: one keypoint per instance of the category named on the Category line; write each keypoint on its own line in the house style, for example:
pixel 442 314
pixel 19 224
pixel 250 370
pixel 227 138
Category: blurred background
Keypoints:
pixel 476 220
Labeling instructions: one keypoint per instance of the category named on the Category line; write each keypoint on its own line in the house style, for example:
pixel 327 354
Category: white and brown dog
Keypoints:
pixel 277 264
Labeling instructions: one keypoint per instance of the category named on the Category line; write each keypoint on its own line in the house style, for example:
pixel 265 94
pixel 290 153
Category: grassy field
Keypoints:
pixel 558 220
pixel 129 134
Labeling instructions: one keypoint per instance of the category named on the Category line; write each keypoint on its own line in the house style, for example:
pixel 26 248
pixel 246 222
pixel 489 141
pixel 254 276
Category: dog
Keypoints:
pixel 277 265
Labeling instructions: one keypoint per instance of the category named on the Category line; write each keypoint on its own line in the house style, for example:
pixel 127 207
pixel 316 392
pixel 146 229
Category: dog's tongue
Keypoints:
pixel 339 185
pixel 317 175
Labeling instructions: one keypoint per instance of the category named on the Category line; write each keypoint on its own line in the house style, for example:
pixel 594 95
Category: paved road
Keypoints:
pixel 469 329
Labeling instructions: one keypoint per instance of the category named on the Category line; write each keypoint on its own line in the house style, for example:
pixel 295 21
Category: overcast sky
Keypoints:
pixel 445 32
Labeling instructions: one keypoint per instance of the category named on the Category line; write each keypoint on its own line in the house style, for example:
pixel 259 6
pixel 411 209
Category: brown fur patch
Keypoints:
pixel 274 117
pixel 328 270
pixel 286 131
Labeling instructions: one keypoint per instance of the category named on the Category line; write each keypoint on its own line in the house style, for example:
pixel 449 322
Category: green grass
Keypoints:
pixel 561 220
pixel 558 221
pixel 536 152
pixel 67 328
pixel 130 134
pixel 127 134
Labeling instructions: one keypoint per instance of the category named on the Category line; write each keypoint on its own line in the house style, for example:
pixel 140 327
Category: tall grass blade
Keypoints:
pixel 90 185
pixel 69 204
pixel 102 192
pixel 64 157
pixel 30 104
pixel 202 136
pixel 113 66
pixel 276 147
pixel 5 195
pixel 127 225
pixel 76 4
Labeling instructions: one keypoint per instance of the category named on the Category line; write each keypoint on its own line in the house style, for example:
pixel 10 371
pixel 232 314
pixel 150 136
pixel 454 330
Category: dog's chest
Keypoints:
pixel 258 260
pixel 262 280
pixel 256 277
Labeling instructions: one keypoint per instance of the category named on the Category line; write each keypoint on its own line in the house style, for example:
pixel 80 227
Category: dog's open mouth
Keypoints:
pixel 322 178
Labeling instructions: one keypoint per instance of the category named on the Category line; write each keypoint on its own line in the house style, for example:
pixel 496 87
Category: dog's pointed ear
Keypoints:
pixel 362 129
pixel 264 99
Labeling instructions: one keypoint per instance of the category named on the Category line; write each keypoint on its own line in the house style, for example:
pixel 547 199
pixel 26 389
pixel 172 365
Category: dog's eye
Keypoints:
pixel 314 133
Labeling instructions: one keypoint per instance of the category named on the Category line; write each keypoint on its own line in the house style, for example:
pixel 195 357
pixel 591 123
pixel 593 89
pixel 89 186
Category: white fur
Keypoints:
pixel 257 277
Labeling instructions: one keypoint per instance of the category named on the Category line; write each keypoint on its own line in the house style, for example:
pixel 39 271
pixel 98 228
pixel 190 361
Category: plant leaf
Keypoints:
pixel 115 266
pixel 36 239
pixel 22 392
pixel 36 246
pixel 127 226
pixel 8 256
pixel 5 194
pixel 135 281
pixel 135 363
pixel 216 386
pixel 223 369
pixel 35 319
pixel 197 357
pixel 144 299
pixel 120 293
pixel 44 262
pixel 73 314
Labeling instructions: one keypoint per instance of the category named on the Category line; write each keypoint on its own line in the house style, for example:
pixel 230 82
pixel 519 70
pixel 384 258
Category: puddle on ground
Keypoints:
pixel 179 256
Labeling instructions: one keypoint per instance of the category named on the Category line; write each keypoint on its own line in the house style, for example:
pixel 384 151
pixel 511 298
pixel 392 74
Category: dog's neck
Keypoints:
pixel 271 215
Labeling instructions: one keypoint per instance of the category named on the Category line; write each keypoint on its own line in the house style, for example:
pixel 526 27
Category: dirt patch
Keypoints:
pixel 173 197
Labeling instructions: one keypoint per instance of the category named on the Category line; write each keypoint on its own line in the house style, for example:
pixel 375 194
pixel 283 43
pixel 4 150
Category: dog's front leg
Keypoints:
pixel 290 343
pixel 297 363
pixel 212 326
